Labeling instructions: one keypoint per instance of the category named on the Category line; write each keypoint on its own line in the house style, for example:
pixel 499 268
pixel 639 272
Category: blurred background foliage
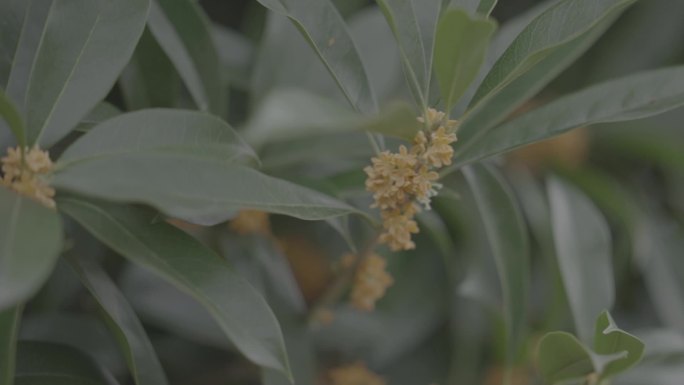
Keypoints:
pixel 442 321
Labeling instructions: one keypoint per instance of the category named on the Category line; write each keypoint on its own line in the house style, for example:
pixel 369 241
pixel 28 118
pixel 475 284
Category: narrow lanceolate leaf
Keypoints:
pixel 483 7
pixel 10 116
pixel 150 78
pixel 160 131
pixel 583 249
pixel 402 19
pixel 548 45
pixel 30 242
pixel 460 47
pixel 611 340
pixel 636 96
pixel 130 334
pixel 42 363
pixel 145 239
pixel 183 32
pixel 323 27
pixel 562 357
pixel 9 329
pixel 561 23
pixel 84 46
pixel 507 236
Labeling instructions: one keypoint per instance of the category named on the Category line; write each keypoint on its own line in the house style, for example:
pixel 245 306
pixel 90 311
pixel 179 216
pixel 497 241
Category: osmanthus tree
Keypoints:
pixel 371 222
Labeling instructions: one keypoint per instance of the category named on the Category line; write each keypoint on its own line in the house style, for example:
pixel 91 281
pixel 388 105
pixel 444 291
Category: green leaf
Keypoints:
pixel 42 363
pixel 10 114
pixel 140 236
pixel 633 97
pixel 30 242
pixel 125 325
pixel 150 78
pixel 460 47
pixel 402 19
pixel 194 188
pixel 161 131
pixel 539 69
pixel 507 236
pixel 482 7
pixel 609 339
pixel 323 27
pixel 558 25
pixel 562 357
pixel 77 62
pixel 9 329
pixel 101 112
pixel 583 248
pixel 236 53
pixel 183 32
pixel 292 114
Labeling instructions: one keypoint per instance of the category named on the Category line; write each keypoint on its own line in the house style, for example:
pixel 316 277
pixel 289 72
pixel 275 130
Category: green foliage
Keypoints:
pixel 165 119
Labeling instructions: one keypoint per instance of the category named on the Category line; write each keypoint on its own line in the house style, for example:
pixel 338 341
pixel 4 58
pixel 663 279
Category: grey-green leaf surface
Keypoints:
pixel 483 7
pixel 633 97
pixel 609 340
pixel 562 357
pixel 43 363
pixel 583 248
pixel 561 23
pixel 134 343
pixel 402 19
pixel 77 62
pixel 507 236
pixel 11 116
pixel 478 121
pixel 290 114
pixel 30 242
pixel 460 47
pixel 193 187
pixel 160 131
pixel 142 237
pixel 9 330
pixel 183 32
pixel 323 27
pixel 150 78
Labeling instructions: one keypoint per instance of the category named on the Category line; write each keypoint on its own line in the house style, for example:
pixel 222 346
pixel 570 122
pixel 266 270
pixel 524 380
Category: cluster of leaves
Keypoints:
pixel 132 99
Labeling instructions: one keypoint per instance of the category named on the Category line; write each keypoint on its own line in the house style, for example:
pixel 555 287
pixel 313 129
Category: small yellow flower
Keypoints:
pixel 25 171
pixel 251 222
pixel 398 228
pixel 397 180
pixel 354 374
pixel 370 282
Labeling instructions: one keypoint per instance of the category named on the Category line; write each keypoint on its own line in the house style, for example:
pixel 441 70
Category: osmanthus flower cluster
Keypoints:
pixel 24 170
pixel 403 183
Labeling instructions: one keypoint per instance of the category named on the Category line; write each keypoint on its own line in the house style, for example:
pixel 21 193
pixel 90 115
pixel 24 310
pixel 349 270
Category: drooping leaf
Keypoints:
pixel 30 242
pixel 323 27
pixel 562 357
pixel 11 117
pixel 160 131
pixel 636 96
pixel 460 47
pixel 9 329
pixel 507 236
pixel 145 239
pixel 124 324
pixel 184 33
pixel 193 187
pixel 76 62
pixel 43 363
pixel 609 340
pixel 150 78
pixel 583 248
